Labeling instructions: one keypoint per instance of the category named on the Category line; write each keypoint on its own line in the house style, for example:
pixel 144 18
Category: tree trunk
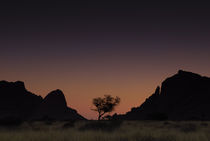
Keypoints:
pixel 99 117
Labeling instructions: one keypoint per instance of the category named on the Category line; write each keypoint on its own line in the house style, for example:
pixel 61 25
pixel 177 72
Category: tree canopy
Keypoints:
pixel 105 105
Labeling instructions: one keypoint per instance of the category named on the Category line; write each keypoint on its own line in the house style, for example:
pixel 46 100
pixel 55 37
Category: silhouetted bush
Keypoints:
pixel 10 121
pixel 69 124
pixel 47 120
pixel 166 123
pixel 107 126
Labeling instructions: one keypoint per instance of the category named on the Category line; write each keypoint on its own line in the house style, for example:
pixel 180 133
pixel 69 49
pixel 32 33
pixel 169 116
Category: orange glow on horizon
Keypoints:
pixel 133 90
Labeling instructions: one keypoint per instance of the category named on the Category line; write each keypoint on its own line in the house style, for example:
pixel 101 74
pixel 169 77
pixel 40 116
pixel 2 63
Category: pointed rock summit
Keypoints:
pixel 55 99
pixel 54 106
pixel 16 101
pixel 184 96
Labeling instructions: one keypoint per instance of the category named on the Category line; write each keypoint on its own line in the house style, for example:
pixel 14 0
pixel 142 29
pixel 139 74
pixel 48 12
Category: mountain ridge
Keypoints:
pixel 183 96
pixel 17 101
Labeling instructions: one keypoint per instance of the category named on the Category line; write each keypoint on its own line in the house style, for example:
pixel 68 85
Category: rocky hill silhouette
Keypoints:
pixel 184 96
pixel 16 101
pixel 54 106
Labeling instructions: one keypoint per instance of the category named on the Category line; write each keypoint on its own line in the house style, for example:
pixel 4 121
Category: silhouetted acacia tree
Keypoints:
pixel 105 105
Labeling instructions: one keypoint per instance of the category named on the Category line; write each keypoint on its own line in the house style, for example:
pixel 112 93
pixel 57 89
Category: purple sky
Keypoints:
pixel 90 49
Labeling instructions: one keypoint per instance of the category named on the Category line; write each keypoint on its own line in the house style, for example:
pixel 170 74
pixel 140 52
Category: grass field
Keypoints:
pixel 108 131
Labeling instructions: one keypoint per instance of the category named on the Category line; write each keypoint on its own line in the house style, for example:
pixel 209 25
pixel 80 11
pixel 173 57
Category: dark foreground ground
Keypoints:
pixel 106 131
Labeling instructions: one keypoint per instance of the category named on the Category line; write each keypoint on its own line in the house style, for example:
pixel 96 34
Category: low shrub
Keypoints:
pixel 69 124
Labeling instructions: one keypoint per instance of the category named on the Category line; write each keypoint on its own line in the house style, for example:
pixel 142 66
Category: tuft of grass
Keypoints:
pixel 204 124
pixel 189 127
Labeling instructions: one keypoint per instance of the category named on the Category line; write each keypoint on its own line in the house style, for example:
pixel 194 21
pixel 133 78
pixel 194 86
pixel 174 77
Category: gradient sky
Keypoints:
pixel 88 49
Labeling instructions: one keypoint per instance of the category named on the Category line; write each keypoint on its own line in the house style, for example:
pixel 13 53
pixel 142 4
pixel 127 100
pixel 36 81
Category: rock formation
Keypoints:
pixel 54 106
pixel 184 96
pixel 16 101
